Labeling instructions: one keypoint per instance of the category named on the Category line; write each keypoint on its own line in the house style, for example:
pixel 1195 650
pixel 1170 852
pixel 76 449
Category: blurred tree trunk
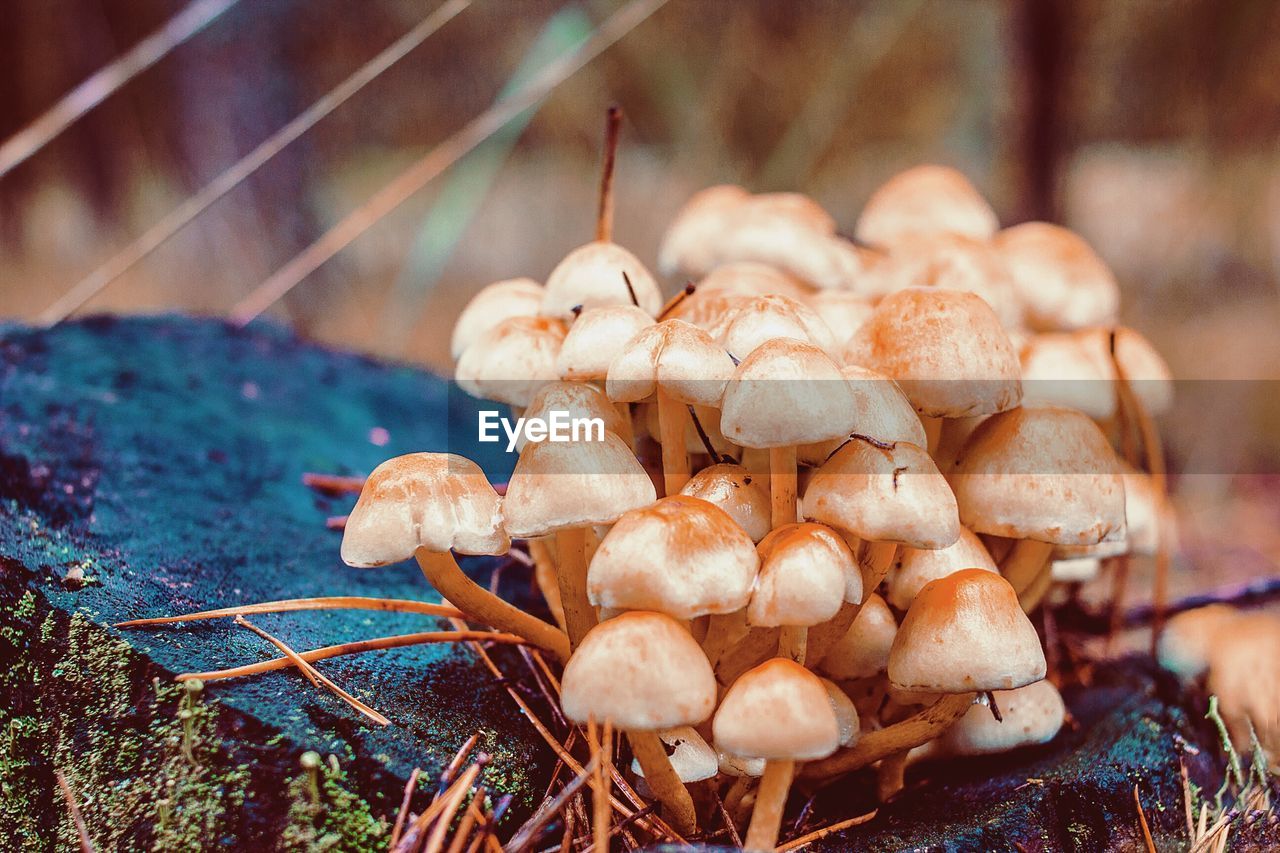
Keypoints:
pixel 1044 62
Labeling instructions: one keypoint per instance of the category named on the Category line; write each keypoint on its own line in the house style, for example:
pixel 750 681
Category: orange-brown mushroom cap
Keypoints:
pixel 777 711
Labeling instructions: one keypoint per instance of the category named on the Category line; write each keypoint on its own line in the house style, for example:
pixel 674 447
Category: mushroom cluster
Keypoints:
pixel 827 496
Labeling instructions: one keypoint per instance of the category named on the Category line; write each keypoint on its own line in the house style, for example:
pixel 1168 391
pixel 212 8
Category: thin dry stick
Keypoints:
pixel 409 788
pixel 435 841
pixel 600 810
pixel 455 764
pixel 528 834
pixel 604 215
pixel 86 845
pixel 1142 819
pixel 176 219
pixel 408 182
pixel 468 821
pixel 288 605
pixel 333 483
pixel 818 834
pixel 355 647
pixel 314 674
pixel 1186 799
pixel 106 80
pixel 728 821
pixel 413 835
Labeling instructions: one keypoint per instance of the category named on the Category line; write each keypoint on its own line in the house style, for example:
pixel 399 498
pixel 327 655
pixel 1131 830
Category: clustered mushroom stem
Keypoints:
pixel 891 775
pixel 443 573
pixel 771 799
pixel 755 648
pixel 544 574
pixel 662 780
pixel 932 433
pixel 875 565
pixel 722 629
pixel 579 615
pixel 825 635
pixel 902 736
pixel 673 419
pixel 1025 562
pixel 1031 597
pixel 793 643
pixel 782 484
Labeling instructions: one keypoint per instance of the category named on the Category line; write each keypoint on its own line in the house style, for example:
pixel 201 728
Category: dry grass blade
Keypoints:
pixel 455 764
pixel 818 834
pixel 86 845
pixel 436 161
pixel 452 802
pixel 468 822
pixel 333 484
pixel 528 834
pixel 409 788
pixel 412 837
pixel 315 676
pixel 289 605
pixel 355 647
pixel 1142 821
pixel 176 219
pixel 604 215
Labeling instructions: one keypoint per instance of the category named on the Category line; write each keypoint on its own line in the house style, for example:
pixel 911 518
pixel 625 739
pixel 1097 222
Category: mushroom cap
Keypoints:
pixel 786 392
pixel 592 275
pixel 951 262
pixel 947 350
pixel 777 711
pixel 1033 714
pixel 749 278
pixel 755 320
pixel 1145 511
pixel 1043 473
pixel 1148 373
pixel 596 337
pixel 1244 677
pixel 680 555
pixel 436 501
pixel 916 567
pixel 736 491
pixel 1189 639
pixel 1075 569
pixel 925 200
pixel 844 312
pixel 641 670
pixel 680 357
pixel 1059 368
pixel 1060 280
pixel 881 411
pixel 806 572
pixel 493 303
pixel 512 360
pixel 893 493
pixel 965 632
pixel 736 765
pixel 863 651
pixel 688 244
pixel 846 713
pixel 575 400
pixel 692 758
pixel 562 485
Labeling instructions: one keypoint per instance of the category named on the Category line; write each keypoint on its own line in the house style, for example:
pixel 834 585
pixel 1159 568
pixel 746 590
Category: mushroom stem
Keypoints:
pixel 673 419
pixel 723 630
pixel 825 635
pixel 875 564
pixel 915 730
pixel 1024 563
pixel 544 574
pixel 771 799
pixel 891 775
pixel 782 484
pixel 661 778
pixel 579 615
pixel 752 650
pixel 1031 597
pixel 932 433
pixel 793 642
pixel 442 572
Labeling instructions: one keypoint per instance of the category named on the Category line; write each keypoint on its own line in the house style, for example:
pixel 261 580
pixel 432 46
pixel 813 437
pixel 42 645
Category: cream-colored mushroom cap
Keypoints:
pixel 1145 512
pixel 688 245
pixel 1059 368
pixel 1033 715
pixel 596 337
pixel 916 567
pixel 951 262
pixel 593 275
pixel 1244 676
pixel 758 319
pixel 1145 369
pixel 925 200
pixel 786 392
pixel 1189 638
pixel 1075 569
pixel 692 758
pixel 436 501
pixel 708 417
pixel 1043 473
pixel 883 493
pixel 681 556
pixel 777 711
pixel 846 713
pixel 567 401
pixel 748 278
pixel 735 490
pixel 516 297
pixel 965 632
pixel 511 361
pixel 881 411
pixel 806 572
pixel 863 651
pixel 736 765
pixel 680 357
pixel 562 485
pixel 947 351
pixel 642 671
pixel 1062 283
pixel 844 312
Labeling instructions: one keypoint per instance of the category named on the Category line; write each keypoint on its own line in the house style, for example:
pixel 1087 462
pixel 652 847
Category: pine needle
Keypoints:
pixel 289 605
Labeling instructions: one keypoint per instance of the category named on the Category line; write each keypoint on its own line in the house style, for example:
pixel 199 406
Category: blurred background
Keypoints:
pixel 1149 127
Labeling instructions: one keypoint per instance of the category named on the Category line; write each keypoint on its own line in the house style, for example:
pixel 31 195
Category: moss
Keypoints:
pixel 325 815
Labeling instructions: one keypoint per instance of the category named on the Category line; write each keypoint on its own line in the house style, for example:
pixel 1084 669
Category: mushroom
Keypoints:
pixel 596 336
pixel 881 412
pixel 950 262
pixel 1189 639
pixel 599 273
pixel 575 400
pixel 1059 368
pixel 843 311
pixel 705 303
pixel 1060 281
pixel 846 713
pixel 780 712
pixel 687 245
pixel 680 365
pixel 691 757
pixel 562 488
pixel 918 566
pixel 1244 676
pixel 806 573
pixel 736 491
pixel 643 673
pixel 785 393
pixel 925 200
pixel 1028 716
pixel 1043 475
pixel 752 321
pixel 516 297
pixel 863 651
pixel 426 505
pixel 512 360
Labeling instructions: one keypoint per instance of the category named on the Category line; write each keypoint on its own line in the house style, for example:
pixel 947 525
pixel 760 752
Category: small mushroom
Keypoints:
pixel 1029 716
pixel 736 491
pixel 1060 280
pixel 881 412
pixel 599 273
pixel 754 320
pixel 516 297
pixel 951 262
pixel 925 200
pixel 512 360
pixel 596 336
pixel 575 400
pixel 691 757
pixel 863 651
pixel 918 566
pixel 1189 639
pixel 843 311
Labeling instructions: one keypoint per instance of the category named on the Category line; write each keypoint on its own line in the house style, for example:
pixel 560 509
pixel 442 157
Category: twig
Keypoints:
pixel 86 845
pixel 526 835
pixel 728 821
pixel 413 836
pixel 313 674
pixel 289 605
pixel 604 215
pixel 818 834
pixel 455 764
pixel 468 821
pixel 333 484
pixel 404 808
pixel 1142 820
